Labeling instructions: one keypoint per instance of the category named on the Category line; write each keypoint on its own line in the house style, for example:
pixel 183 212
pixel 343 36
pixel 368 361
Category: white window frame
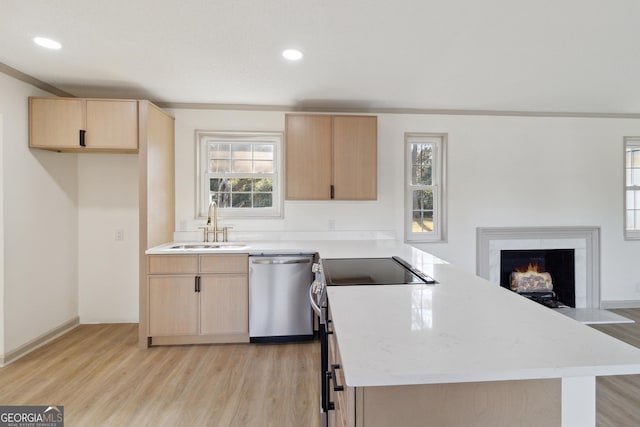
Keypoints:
pixel 203 138
pixel 438 186
pixel 634 142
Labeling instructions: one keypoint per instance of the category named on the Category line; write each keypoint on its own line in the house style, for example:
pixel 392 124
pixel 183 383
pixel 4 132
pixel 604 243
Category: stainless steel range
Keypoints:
pixel 351 272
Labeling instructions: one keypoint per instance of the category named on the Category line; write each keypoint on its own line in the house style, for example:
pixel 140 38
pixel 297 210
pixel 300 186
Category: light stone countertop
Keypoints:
pixel 463 329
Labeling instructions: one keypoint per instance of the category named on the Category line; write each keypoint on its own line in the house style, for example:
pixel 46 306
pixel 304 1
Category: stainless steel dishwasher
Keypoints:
pixel 279 309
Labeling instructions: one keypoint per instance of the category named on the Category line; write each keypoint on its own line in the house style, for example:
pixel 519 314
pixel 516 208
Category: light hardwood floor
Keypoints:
pixel 618 397
pixel 103 379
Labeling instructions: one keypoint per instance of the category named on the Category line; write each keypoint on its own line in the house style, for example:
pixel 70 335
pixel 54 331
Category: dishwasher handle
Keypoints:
pixel 269 261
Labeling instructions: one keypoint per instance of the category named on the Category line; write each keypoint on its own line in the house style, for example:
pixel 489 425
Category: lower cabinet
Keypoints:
pixel 224 304
pixel 196 299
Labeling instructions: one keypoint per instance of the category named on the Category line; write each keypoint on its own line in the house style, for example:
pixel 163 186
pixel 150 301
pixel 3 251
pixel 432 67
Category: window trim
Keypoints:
pixel 439 185
pixel 201 139
pixel 629 141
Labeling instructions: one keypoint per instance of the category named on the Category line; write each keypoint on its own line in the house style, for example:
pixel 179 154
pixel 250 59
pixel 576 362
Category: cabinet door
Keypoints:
pixel 308 157
pixel 173 305
pixel 55 122
pixel 112 124
pixel 224 304
pixel 355 157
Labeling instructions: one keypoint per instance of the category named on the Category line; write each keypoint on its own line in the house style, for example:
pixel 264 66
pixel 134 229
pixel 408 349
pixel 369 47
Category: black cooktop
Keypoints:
pixel 371 271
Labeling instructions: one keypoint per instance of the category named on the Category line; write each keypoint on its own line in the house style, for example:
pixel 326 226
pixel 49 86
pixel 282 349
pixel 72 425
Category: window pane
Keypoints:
pixel 263 166
pixel 263 152
pixel 635 176
pixel 219 151
pixel 263 185
pixel 241 166
pixel 636 220
pixel 262 200
pixel 218 166
pixel 241 184
pixel 635 157
pixel 241 151
pixel 423 200
pixel 241 200
pixel 421 164
pixel 422 221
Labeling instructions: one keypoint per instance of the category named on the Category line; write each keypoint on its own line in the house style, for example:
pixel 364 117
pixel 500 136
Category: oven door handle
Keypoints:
pixel 314 290
pixel 270 261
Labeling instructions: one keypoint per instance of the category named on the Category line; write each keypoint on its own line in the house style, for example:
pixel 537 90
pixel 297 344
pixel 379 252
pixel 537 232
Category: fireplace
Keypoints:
pixel 543 275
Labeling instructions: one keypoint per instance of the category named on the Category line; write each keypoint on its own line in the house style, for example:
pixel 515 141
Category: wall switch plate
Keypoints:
pixel 119 234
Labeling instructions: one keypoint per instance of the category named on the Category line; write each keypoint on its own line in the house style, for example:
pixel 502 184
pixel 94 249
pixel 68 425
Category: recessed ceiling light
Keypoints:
pixel 292 54
pixel 48 43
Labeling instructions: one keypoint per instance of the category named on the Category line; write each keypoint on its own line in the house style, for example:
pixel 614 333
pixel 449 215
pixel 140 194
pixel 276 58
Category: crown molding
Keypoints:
pixel 17 74
pixel 369 110
pixel 353 109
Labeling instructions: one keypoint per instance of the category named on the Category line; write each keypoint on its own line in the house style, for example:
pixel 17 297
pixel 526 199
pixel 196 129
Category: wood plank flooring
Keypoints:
pixel 103 379
pixel 618 397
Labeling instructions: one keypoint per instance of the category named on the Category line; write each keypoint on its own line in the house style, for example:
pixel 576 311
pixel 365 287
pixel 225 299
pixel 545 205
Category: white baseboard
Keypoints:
pixel 27 348
pixel 620 304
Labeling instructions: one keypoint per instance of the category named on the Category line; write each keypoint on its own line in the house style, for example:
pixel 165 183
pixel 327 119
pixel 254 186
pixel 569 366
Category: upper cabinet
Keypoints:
pixel 78 125
pixel 331 157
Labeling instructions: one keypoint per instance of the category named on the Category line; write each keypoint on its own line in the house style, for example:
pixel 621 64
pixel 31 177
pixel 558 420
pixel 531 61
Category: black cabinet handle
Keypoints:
pixel 330 405
pixel 82 133
pixel 197 283
pixel 334 377
pixel 332 192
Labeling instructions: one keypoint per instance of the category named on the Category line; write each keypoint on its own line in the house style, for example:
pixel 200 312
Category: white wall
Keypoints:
pixel 502 171
pixel 108 268
pixel 40 238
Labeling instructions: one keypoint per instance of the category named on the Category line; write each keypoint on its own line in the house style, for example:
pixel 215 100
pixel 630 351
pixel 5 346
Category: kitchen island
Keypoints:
pixel 462 352
pixel 465 352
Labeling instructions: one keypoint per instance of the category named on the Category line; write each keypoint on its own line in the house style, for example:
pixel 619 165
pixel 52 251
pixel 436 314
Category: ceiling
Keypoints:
pixel 537 56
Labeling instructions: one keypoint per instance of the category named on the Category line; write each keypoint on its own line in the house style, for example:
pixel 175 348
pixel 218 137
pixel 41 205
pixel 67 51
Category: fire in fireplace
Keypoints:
pixel 543 275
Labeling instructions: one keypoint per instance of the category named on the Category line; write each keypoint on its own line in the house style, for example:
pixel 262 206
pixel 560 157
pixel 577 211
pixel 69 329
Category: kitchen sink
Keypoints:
pixel 208 246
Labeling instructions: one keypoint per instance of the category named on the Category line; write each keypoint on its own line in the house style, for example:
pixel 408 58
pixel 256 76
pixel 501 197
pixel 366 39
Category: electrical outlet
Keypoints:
pixel 332 224
pixel 119 234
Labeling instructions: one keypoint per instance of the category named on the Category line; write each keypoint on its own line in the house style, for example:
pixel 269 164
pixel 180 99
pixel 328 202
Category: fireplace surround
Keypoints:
pixel 584 241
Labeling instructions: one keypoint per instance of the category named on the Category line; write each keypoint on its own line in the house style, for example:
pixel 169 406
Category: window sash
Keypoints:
pixel 632 188
pixel 205 139
pixel 417 231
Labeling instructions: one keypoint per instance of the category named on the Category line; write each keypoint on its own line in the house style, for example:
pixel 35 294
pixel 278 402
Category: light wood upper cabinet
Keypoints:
pixel 78 125
pixel 355 159
pixel 309 156
pixel 331 157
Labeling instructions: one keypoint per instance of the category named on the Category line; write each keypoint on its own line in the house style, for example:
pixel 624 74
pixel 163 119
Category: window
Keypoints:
pixel 240 172
pixel 425 207
pixel 632 187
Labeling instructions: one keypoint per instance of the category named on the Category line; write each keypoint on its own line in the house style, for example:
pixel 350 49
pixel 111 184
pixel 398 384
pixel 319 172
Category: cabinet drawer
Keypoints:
pixel 224 263
pixel 173 264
